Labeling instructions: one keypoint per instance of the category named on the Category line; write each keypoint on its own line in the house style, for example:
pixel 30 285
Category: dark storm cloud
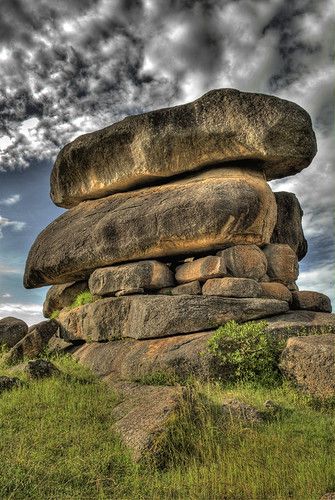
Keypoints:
pixel 80 65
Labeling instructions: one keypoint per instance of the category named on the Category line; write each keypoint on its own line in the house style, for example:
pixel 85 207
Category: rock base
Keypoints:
pixel 182 355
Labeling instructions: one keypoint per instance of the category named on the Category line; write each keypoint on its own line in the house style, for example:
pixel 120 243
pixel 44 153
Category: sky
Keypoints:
pixel 70 67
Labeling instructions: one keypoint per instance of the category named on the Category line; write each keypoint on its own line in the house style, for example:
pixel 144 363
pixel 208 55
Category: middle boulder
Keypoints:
pixel 200 213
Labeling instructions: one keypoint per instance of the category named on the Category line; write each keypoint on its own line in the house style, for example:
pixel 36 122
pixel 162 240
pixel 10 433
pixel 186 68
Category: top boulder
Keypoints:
pixel 223 125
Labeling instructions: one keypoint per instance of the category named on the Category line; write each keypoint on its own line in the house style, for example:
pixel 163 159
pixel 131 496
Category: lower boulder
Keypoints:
pixel 12 330
pixel 150 316
pixel 182 356
pixel 33 343
pixel 128 359
pixel 310 363
pixel 143 415
pixel 312 301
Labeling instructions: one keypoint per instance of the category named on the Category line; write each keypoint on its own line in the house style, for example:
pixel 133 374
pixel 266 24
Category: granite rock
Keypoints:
pixel 232 287
pixel 222 125
pixel 147 274
pixel 288 229
pixel 184 217
pixel 244 261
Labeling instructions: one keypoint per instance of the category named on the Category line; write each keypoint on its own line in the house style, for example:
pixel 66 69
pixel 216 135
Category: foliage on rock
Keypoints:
pixel 246 352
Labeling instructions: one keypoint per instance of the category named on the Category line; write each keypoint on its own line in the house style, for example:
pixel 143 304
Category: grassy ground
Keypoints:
pixel 56 442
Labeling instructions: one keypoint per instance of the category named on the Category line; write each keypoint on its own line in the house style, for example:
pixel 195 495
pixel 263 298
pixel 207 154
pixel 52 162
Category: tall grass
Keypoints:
pixel 57 442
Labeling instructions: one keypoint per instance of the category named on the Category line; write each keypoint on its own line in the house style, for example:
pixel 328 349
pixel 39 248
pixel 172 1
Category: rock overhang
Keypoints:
pixel 221 126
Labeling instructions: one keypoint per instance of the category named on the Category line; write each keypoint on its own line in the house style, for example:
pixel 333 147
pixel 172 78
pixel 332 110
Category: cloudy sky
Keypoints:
pixel 69 67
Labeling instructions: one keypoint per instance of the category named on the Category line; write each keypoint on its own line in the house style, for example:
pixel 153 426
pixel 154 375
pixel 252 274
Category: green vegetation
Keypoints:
pixel 57 442
pixel 82 298
pixel 246 352
pixel 55 314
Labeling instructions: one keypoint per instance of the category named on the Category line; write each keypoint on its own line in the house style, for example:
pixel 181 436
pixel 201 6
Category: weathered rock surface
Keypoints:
pixel 245 261
pixel 232 287
pixel 182 355
pixel 282 263
pixel 152 316
pixel 236 409
pixel 288 229
pixel 191 288
pixel 148 274
pixel 129 291
pixel 224 205
pixel 294 322
pixel 276 291
pixel 311 301
pixel 144 414
pixel 129 359
pixel 310 363
pixel 12 330
pixel 223 125
pixel 201 269
pixel 33 343
pixel 60 296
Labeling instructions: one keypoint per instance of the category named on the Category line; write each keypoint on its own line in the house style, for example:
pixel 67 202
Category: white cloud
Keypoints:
pixel 11 200
pixel 14 224
pixel 6 295
pixel 30 313
pixel 319 279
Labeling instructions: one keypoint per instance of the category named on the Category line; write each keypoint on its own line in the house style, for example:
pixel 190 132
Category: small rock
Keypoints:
pixel 201 269
pixel 41 368
pixel 245 261
pixel 60 296
pixel 328 496
pixel 272 407
pixel 191 288
pixel 146 274
pixel 33 343
pixel 12 330
pixel 311 301
pixel 282 263
pixel 8 383
pixel 276 291
pixel 232 287
pixel 58 345
pixel 238 410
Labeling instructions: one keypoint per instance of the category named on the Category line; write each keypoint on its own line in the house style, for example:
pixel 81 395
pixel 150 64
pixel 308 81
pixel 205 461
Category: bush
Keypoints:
pixel 246 352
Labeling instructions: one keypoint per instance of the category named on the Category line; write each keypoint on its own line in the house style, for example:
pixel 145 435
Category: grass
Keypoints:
pixel 57 442
pixel 81 299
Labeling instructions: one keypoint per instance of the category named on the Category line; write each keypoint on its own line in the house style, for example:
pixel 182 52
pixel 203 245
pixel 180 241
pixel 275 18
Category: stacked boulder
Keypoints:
pixel 171 224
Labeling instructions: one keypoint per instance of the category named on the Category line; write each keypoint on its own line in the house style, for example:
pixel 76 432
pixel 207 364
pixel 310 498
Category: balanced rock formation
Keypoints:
pixel 223 125
pixel 198 214
pixel 173 228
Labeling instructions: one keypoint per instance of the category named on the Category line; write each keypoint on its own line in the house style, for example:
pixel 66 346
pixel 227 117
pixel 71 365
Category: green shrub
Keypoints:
pixel 82 298
pixel 246 352
pixel 55 314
